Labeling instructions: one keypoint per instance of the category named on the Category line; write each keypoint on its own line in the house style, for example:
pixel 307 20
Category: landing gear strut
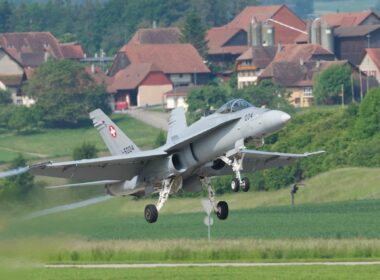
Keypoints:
pixel 220 208
pixel 151 211
pixel 237 165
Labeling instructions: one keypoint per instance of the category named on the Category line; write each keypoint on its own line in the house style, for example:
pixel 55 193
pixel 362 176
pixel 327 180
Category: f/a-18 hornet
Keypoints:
pixel 212 146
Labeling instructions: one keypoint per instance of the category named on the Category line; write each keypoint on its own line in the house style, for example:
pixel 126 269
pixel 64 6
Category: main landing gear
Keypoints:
pixel 220 208
pixel 237 165
pixel 151 210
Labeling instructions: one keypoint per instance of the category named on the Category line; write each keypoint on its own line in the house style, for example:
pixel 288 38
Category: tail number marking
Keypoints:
pixel 128 149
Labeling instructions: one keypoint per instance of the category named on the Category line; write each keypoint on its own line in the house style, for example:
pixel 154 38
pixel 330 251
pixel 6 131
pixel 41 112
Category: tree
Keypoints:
pixel 161 139
pixel 85 151
pixel 5 97
pixel 194 32
pixel 17 187
pixel 65 93
pixel 268 95
pixel 6 11
pixel 368 121
pixel 22 119
pixel 328 85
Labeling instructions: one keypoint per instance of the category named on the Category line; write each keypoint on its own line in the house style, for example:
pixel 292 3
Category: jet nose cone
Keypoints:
pixel 285 117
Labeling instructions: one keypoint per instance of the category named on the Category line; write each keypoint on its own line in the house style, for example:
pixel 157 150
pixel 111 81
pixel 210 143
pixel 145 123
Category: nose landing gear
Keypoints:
pixel 237 166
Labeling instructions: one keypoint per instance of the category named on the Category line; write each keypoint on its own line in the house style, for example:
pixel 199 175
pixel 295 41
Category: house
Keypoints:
pixel 181 63
pixel 177 97
pixel 298 78
pixel 139 84
pixel 254 26
pixel 370 64
pixel 32 49
pixel 252 63
pixel 12 77
pixel 169 35
pixel 351 42
pixel 346 34
pixel 294 66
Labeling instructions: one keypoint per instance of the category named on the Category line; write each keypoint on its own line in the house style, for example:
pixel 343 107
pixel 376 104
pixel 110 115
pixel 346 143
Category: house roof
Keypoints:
pixel 374 54
pixel 169 58
pixel 131 77
pixel 346 19
pixel 97 75
pixel 218 36
pixel 297 53
pixel 356 31
pixel 261 57
pixel 293 74
pixel 182 91
pixel 260 13
pixel 170 35
pixel 72 50
pixel 30 42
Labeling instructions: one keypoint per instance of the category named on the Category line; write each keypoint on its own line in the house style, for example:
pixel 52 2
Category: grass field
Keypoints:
pixel 240 273
pixel 51 143
pixel 321 7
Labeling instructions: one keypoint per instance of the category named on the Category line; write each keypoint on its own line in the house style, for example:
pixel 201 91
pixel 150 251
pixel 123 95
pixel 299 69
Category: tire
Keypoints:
pixel 151 213
pixel 222 212
pixel 235 185
pixel 245 186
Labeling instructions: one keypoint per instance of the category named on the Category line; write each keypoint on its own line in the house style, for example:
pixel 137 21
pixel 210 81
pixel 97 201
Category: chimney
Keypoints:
pixel 279 47
pixel 154 24
pixel 318 64
pixel 93 68
pixel 301 62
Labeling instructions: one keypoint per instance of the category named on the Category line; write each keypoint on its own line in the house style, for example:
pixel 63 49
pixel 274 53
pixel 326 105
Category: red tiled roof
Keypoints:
pixel 97 75
pixel 72 50
pixel 182 91
pixel 169 35
pixel 374 54
pixel 169 58
pixel 131 77
pixel 12 80
pixel 295 53
pixel 260 13
pixel 30 42
pixel 261 57
pixel 355 31
pixel 346 19
pixel 218 36
pixel 293 74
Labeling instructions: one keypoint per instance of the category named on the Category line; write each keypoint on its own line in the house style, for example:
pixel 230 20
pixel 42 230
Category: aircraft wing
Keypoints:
pixel 258 160
pixel 118 168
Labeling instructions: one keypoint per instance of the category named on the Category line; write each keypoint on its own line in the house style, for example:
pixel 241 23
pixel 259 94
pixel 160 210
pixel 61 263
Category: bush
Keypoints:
pixel 85 151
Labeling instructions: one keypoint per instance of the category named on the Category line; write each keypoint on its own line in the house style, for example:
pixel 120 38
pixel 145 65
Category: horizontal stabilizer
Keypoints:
pixel 96 183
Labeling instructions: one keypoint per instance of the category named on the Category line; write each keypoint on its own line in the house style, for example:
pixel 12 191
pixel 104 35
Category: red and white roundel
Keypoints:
pixel 112 131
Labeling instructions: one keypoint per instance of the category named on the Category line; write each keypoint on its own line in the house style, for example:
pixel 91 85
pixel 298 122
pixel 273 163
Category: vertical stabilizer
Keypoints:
pixel 117 142
pixel 177 124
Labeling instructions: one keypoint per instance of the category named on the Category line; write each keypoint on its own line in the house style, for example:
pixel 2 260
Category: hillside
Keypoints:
pixel 351 195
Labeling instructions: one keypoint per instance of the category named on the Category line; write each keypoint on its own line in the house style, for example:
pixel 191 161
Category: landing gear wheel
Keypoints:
pixel 151 213
pixel 235 185
pixel 245 184
pixel 222 212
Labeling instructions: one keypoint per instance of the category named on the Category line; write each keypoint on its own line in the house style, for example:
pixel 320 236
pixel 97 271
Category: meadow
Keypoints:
pixel 240 273
pixel 54 143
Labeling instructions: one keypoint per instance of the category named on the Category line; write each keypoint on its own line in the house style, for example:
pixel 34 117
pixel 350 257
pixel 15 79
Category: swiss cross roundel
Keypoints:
pixel 112 131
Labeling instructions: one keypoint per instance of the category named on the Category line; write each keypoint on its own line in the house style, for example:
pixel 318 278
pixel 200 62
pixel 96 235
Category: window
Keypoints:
pixel 308 92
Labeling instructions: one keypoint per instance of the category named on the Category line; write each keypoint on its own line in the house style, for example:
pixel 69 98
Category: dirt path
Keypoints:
pixel 156 119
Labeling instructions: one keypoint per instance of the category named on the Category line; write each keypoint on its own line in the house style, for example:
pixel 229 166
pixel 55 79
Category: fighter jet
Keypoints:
pixel 215 145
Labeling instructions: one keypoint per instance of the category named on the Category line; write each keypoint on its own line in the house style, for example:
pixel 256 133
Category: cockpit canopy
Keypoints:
pixel 234 105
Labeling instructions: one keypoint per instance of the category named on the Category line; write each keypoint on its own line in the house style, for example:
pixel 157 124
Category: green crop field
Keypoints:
pixel 240 273
pixel 50 143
